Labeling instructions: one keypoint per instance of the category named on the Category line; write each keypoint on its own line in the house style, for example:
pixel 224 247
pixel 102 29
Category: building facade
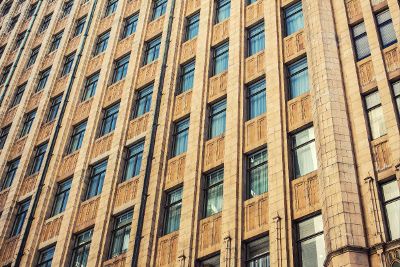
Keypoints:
pixel 200 133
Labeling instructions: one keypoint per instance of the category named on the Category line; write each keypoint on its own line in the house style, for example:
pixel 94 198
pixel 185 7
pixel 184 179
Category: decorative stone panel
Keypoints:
pixel 255 66
pixel 378 4
pixel 38 40
pixel 126 192
pixel 61 23
pixel 138 126
pixel 10 57
pixel 218 86
pixel 220 32
pixel 113 93
pixel 146 74
pixel 48 60
pixel 116 261
pixel 95 64
pixel 68 164
pixel 392 256
pixel 28 184
pixel 382 154
pixel 124 46
pixel 299 111
pixel 60 86
pixel 83 10
pixel 392 60
pixel 210 235
pixel 45 132
pixel 8 249
pixel 167 250
pixel 366 74
pixel 105 24
pixel 155 28
pixel 192 6
pixel 17 148
pixel 9 116
pixel 256 215
pixel 182 104
pixel 214 153
pixel 131 7
pixel 305 195
pixel 3 198
pixel 102 145
pixel 254 12
pixel 87 213
pixel 294 45
pixel 73 44
pixel 255 132
pixel 353 8
pixel 24 26
pixel 188 50
pixel 51 228
pixel 82 111
pixel 25 75
pixel 33 101
pixel 175 171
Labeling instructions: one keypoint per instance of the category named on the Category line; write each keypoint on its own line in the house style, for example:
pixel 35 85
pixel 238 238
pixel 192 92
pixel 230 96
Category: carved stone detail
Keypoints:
pixel 299 111
pixel 176 171
pixel 87 213
pixel 8 249
pixel 51 228
pixel 256 215
pixel 48 60
pixel 192 6
pixel 82 111
pixel 73 44
pixel 131 7
pixel 33 101
pixel 28 184
pixel 353 8
pixel 255 132
pixel 218 86
pixel 45 132
pixel 167 250
pixel 95 64
pixel 17 148
pixel 254 12
pixel 392 58
pixel 138 126
pixel 124 46
pixel 60 86
pixel 146 74
pixel 382 154
pixel 305 194
pixel 220 32
pixel 393 256
pixel 366 73
pixel 155 27
pixel 116 261
pixel 25 75
pixel 113 93
pixel 126 192
pixel 105 23
pixel 68 165
pixel 294 45
pixel 214 153
pixel 188 50
pixel 102 145
pixel 255 66
pixel 3 198
pixel 210 234
pixel 9 116
pixel 182 104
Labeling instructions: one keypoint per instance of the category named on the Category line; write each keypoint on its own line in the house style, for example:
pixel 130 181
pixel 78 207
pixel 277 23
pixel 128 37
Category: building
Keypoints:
pixel 200 133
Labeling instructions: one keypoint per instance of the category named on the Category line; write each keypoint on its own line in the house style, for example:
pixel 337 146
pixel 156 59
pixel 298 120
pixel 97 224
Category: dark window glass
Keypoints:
pixel 18 95
pixel 67 7
pixel 61 197
pixel 6 8
pixel 121 233
pixel 109 119
pixel 130 24
pixel 360 41
pixel 101 44
pixel 304 152
pixel 111 7
pixel 257 171
pixel 96 180
pixel 220 58
pixel 298 78
pixel 376 118
pixel 3 135
pixel 172 211
pixel 133 161
pixel 45 23
pixel 180 137
pixel 396 93
pixel 4 74
pixel 143 101
pixel 385 28
pixel 53 110
pixel 213 192
pixel 217 119
pixel 46 257
pixel 311 243
pixel 76 140
pixel 192 26
pixel 257 253
pixel 80 252
pixel 55 43
pixel 294 20
pixel 2 50
pixel 120 68
pixel 223 10
pixel 20 38
pixel 20 217
pixel 31 10
pixel 211 262
pixel 257 99
pixel 159 8
pixel 28 120
pixel 43 76
pixel 38 157
pixel 80 24
pixel 68 64
pixel 13 22
pixel 256 39
pixel 186 77
pixel 391 204
pixel 152 50
pixel 90 86
pixel 249 2
pixel 12 167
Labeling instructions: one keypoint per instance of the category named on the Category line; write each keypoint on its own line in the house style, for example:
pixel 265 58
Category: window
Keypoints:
pixel 55 42
pixel 6 8
pixel 3 135
pixel 26 127
pixel 152 50
pixel 172 209
pixel 396 93
pixel 45 23
pixel 133 161
pixel 223 10
pixel 257 171
pixel 18 95
pixel 360 41
pixel 96 179
pixel 257 253
pixel 90 86
pixel 20 38
pixel 102 41
pixel 67 8
pixel 2 50
pixel 111 7
pixel 375 115
pixel 80 252
pixel 391 204
pixel 249 2
pixel 294 20
pixel 311 245
pixel 130 24
pixel 180 137
pixel 304 153
pixel 68 64
pixel 385 28
pixel 121 234
pixel 109 119
pixel 80 24
pixel 256 39
pixel 4 74
pixel 20 217
pixel 159 8
pixel 12 167
pixel 217 119
pixel 32 58
pixel 120 68
pixel 38 157
pixel 220 58
pixel 186 77
pixel 43 76
pixel 78 133
pixel 61 197
pixel 31 10
pixel 298 78
pixel 213 192
pixel 143 101
pixel 53 110
pixel 46 257
pixel 257 99
pixel 211 262
pixel 13 22
pixel 192 26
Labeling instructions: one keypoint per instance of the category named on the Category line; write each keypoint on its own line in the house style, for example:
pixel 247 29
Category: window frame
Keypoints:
pixel 220 51
pixel 79 133
pixel 56 40
pixel 110 117
pixel 192 21
pixel 130 25
pixel 136 156
pixel 379 26
pixel 357 37
pixel 68 64
pixel 43 262
pixel 120 68
pixel 85 246
pixel 168 205
pixel 219 7
pixel 19 93
pixel 111 7
pixel 250 168
pixel 62 194
pixel 369 110
pixel 42 81
pixel 90 87
pixel 293 74
pixel 37 160
pixel 95 174
pixel 258 257
pixel 4 134
pixel 212 115
pixel 11 169
pixel 384 203
pixel 152 50
pixel 33 56
pixel 79 26
pixel 294 148
pixel 177 134
pixel 159 9
pixel 20 217
pixel 45 23
pixel 207 187
pixel 101 43
pixel 186 70
pixel 286 16
pixel 253 33
pixel 55 103
pixel 143 94
pixel 116 228
pixel 27 124
pixel 250 95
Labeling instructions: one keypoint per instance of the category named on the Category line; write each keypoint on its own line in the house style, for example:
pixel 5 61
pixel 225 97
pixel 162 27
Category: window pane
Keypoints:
pixel 396 91
pixel 294 18
pixel 313 252
pixel 258 173
pixel 187 76
pixel 220 61
pixel 159 8
pixel 223 10
pixel 133 161
pixel 258 253
pixel 386 30
pixel 46 257
pixel 192 26
pixel 217 119
pixel 305 158
pixel 298 78
pixel 181 137
pixel 96 180
pixel 257 99
pixel 375 115
pixel 256 39
pixel 173 211
pixel 143 101
pixel 214 192
pixel 361 41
